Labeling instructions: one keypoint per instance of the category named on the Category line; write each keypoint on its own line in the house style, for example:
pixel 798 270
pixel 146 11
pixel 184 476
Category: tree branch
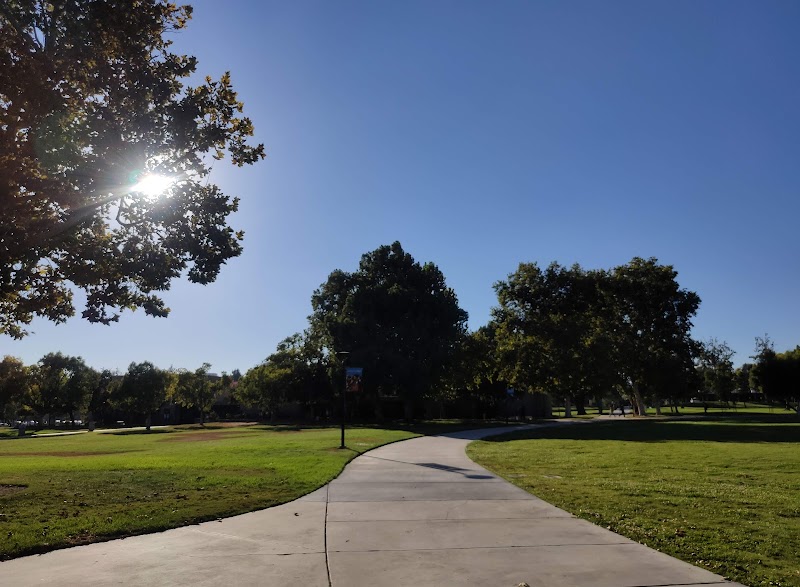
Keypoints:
pixel 31 42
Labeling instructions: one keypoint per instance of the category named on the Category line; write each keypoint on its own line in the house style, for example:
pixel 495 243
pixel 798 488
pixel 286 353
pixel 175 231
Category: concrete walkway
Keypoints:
pixel 414 513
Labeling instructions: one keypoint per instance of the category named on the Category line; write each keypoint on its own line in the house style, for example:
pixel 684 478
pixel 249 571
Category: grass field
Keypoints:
pixel 714 409
pixel 68 490
pixel 721 493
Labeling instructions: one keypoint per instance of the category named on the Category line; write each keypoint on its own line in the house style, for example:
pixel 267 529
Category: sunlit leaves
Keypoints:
pixel 90 98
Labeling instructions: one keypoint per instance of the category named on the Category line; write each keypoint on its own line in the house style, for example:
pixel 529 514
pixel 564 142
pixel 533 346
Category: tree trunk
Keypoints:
pixel 638 403
pixel 580 404
pixel 408 409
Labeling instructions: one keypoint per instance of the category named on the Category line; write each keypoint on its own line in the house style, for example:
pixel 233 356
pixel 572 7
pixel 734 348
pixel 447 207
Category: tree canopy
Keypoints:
pixel 61 384
pixel 397 318
pixel 14 384
pixel 776 375
pixel 143 389
pixel 91 99
pixel 652 322
pixel 546 322
pixel 716 368
pixel 569 331
pixel 196 389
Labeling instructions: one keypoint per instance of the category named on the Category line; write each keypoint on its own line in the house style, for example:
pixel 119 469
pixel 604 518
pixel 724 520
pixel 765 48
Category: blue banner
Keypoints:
pixel 353 379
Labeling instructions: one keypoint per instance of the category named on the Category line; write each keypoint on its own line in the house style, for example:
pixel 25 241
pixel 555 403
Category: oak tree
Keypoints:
pixel 546 322
pixel 652 322
pixel 143 390
pixel 62 384
pixel 14 383
pixel 397 318
pixel 197 389
pixel 92 98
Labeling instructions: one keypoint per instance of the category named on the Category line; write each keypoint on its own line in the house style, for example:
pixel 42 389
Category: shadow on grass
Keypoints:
pixel 422 427
pixel 752 428
pixel 435 427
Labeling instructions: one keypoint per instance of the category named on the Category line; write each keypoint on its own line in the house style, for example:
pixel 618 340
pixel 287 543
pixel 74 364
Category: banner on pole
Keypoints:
pixel 352 379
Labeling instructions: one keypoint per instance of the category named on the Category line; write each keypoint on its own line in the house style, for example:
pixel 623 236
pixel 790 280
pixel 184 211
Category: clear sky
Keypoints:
pixel 483 134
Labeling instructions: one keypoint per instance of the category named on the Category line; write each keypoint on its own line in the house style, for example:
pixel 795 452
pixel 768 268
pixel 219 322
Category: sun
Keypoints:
pixel 153 185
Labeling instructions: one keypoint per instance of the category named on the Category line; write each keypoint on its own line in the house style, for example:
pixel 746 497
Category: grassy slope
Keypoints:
pixel 724 494
pixel 68 490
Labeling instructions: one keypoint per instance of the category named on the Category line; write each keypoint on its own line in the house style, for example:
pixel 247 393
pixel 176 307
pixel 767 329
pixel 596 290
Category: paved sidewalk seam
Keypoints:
pixel 404 500
pixel 470 481
pixel 503 547
pixel 444 519
pixel 680 584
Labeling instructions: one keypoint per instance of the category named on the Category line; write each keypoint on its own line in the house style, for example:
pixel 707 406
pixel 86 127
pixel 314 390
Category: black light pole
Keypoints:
pixel 343 355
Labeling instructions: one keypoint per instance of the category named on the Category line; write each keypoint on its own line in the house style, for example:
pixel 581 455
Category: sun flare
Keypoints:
pixel 153 185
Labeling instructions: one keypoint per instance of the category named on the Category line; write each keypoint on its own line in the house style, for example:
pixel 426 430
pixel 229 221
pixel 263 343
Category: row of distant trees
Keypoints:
pixel 776 374
pixel 64 386
pixel 601 336
pixel 579 335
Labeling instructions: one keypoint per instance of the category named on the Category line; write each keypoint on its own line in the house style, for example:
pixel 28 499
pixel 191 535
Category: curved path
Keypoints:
pixel 414 513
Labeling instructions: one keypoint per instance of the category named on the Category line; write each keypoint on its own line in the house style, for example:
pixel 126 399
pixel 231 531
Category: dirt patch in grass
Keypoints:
pixel 9 489
pixel 200 436
pixel 82 538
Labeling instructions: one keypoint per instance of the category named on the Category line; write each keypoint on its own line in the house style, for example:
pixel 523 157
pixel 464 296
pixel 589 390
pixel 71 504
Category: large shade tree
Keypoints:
pixel 651 324
pixel 571 332
pixel 62 384
pixel 396 318
pixel 715 364
pixel 143 390
pixel 477 370
pixel 776 375
pixel 266 387
pixel 298 371
pixel 91 99
pixel 197 389
pixel 547 330
pixel 14 384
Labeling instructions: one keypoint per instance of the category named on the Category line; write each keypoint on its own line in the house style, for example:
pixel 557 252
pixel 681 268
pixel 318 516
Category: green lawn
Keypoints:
pixel 731 410
pixel 67 490
pixel 714 409
pixel 721 493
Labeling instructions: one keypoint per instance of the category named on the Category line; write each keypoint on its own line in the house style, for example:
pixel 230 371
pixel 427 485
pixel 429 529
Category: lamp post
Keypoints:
pixel 343 355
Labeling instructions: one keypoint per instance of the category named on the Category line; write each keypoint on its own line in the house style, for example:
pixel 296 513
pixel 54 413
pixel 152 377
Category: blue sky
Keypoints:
pixel 484 134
